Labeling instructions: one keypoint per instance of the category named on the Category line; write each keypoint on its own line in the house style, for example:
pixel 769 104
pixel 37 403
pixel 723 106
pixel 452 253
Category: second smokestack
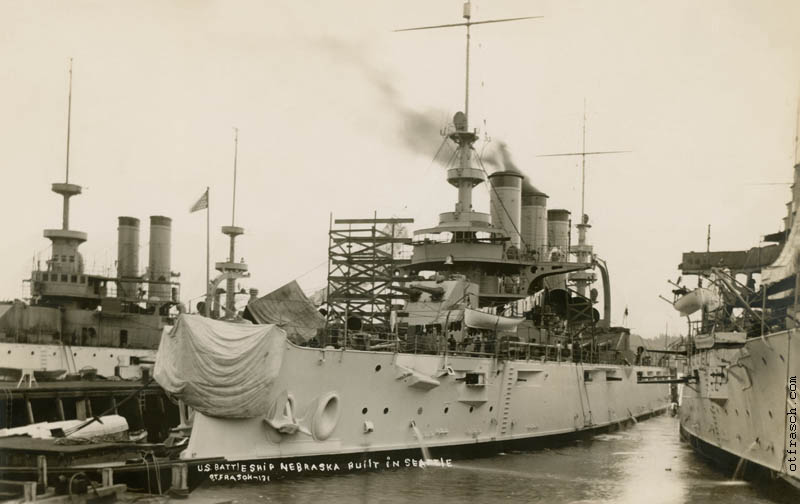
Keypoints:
pixel 160 258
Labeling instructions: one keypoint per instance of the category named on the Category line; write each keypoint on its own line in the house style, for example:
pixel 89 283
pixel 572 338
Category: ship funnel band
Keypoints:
pixel 506 179
pixel 529 190
pixel 129 221
pixel 160 220
pixel 534 200
pixel 558 215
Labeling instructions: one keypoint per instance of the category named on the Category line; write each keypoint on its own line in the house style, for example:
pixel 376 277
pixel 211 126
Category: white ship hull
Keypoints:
pixel 745 403
pixel 73 358
pixel 387 401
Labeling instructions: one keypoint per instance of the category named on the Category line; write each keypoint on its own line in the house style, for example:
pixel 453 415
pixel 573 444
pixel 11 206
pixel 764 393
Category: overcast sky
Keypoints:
pixel 338 114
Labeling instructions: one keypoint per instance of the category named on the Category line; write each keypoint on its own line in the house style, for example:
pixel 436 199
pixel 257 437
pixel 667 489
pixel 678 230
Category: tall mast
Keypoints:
pixel 583 153
pixel 235 155
pixel 583 163
pixel 465 176
pixel 232 270
pixel 467 14
pixel 69 119
pixel 583 250
pixel 65 256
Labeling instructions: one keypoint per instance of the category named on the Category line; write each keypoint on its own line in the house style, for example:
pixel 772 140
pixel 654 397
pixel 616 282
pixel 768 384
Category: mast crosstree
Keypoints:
pixel 583 250
pixel 467 14
pixel 464 222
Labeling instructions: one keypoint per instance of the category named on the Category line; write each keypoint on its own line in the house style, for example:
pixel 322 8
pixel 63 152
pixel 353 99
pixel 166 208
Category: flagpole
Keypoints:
pixel 208 253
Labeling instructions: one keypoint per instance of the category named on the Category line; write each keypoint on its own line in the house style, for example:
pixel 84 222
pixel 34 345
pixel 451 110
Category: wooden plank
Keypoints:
pixel 370 239
pixel 374 221
pixel 30 410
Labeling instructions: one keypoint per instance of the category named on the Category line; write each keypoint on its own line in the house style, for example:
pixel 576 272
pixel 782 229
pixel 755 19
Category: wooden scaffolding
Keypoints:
pixel 363 264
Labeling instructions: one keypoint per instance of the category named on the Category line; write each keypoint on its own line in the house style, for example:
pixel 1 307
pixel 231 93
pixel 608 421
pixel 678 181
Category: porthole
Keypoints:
pixel 471 408
pixel 491 408
pixel 446 410
pixel 385 410
pixel 419 410
pixel 377 368
pixel 364 411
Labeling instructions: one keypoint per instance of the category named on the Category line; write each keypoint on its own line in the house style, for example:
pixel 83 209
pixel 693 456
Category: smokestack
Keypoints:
pixel 558 230
pixel 505 201
pixel 159 265
pixel 128 256
pixel 534 221
pixel 557 243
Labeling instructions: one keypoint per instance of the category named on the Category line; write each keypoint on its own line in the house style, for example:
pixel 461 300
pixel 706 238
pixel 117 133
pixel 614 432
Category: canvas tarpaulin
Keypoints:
pixel 786 263
pixel 789 259
pixel 221 369
pixel 482 320
pixel 289 308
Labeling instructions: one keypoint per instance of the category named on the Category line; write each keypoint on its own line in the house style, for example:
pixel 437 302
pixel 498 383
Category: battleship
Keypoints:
pixel 738 404
pixel 75 321
pixel 485 339
pixel 75 356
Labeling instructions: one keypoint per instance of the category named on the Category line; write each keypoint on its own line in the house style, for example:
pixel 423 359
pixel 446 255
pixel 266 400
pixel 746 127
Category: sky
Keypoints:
pixel 339 115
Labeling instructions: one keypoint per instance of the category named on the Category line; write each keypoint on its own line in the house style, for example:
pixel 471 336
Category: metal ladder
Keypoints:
pixel 509 379
pixel 580 376
pixel 69 358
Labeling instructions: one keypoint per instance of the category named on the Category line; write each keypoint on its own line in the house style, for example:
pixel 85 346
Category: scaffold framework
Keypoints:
pixel 363 263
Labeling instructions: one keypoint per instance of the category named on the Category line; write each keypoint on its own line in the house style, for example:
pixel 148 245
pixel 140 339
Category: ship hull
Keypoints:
pixel 395 404
pixel 744 404
pixel 268 469
pixel 74 358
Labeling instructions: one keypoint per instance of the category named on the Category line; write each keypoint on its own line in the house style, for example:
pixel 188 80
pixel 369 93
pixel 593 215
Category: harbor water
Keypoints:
pixel 644 464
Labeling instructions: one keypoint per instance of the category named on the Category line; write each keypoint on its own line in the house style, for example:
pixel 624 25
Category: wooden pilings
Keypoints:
pixel 60 406
pixel 30 411
pixel 180 480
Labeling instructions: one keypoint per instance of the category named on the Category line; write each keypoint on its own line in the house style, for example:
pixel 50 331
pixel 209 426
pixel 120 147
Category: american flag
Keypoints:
pixel 201 203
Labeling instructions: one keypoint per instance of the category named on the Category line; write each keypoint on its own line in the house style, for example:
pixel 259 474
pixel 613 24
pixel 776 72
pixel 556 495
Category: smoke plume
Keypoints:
pixel 500 158
pixel 418 130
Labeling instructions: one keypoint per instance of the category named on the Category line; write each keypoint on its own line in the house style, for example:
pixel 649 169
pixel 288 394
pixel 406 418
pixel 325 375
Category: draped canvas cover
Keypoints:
pixel 221 369
pixel 787 262
pixel 483 320
pixel 289 308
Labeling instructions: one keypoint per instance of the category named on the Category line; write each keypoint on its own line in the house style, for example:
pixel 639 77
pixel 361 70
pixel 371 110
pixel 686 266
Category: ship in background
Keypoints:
pixel 74 361
pixel 739 402
pixel 78 321
pixel 476 343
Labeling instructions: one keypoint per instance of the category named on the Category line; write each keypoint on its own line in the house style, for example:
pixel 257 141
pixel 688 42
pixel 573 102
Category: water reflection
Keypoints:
pixel 646 464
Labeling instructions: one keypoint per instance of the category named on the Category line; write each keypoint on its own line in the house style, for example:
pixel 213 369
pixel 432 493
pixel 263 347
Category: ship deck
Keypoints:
pixel 75 388
pixel 39 446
